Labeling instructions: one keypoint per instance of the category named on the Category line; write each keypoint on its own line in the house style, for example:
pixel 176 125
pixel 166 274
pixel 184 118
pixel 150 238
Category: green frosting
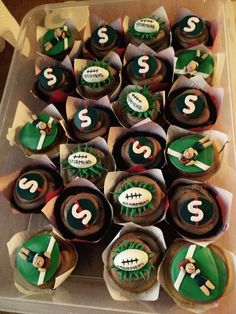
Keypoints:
pixel 150 97
pixel 211 267
pixel 90 171
pixel 144 35
pixel 205 156
pixel 142 273
pixel 104 36
pixel 57 40
pixel 38 244
pixel 51 78
pixel 131 212
pixel 29 186
pixel 188 105
pixel 194 213
pixel 85 206
pixel 31 137
pixel 144 66
pixel 203 64
pixel 138 158
pixel 191 25
pixel 86 118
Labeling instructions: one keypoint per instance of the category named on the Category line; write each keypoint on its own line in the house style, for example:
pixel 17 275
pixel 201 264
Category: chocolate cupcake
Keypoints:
pixel 133 261
pixel 34 187
pixel 194 211
pixel 98 79
pixel 105 39
pixel 89 121
pixel 88 162
pixel 190 108
pixel 138 199
pixel 83 213
pixel 54 84
pixel 195 62
pixel 149 31
pixel 136 104
pixel 195 276
pixel 147 70
pixel 192 156
pixel 191 31
pixel 139 149
pixel 42 134
pixel 57 42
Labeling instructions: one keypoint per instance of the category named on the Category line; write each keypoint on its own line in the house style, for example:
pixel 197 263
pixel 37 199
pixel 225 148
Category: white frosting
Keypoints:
pixel 194 209
pixel 135 197
pixel 102 33
pixel 82 115
pixel 137 102
pixel 52 79
pixel 85 214
pixel 189 102
pixel 82 160
pixel 146 25
pixel 131 259
pixel 30 185
pixel 95 74
pixel 192 21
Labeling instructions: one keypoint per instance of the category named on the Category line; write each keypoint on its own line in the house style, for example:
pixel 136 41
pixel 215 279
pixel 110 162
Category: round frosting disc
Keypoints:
pixel 137 102
pixel 51 78
pixel 146 25
pixel 104 36
pixel 144 66
pixel 30 185
pixel 82 160
pixel 191 25
pixel 95 74
pixel 86 118
pixel 135 197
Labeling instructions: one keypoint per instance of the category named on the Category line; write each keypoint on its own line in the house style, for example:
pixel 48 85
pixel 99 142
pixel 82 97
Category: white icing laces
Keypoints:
pixel 95 74
pixel 146 25
pixel 82 160
pixel 135 197
pixel 131 259
pixel 137 102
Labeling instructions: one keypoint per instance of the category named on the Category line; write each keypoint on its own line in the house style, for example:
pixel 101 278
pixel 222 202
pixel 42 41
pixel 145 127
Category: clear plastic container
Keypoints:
pixel 85 290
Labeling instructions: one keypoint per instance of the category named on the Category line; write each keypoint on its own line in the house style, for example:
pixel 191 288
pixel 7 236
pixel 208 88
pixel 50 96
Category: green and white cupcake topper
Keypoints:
pixel 146 28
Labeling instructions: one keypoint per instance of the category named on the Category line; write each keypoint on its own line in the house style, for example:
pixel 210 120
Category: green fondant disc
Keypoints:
pixel 38 244
pixel 31 138
pixel 144 66
pixel 86 118
pixel 138 151
pixel 29 186
pixel 191 25
pixel 87 210
pixel 196 211
pixel 211 267
pixel 190 105
pixel 56 41
pixel 104 36
pixel 50 78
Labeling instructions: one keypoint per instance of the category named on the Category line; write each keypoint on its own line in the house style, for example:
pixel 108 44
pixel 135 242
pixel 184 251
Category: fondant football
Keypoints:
pixel 82 160
pixel 95 74
pixel 146 25
pixel 131 259
pixel 137 102
pixel 135 197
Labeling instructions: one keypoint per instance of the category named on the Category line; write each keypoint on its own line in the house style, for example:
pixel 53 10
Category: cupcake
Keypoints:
pixel 133 260
pixel 195 276
pixel 137 103
pixel 191 31
pixel 195 210
pixel 54 84
pixel 89 121
pixel 150 31
pixel 190 108
pixel 85 161
pixel 57 42
pixel 192 156
pixel 137 198
pixel 195 62
pixel 42 134
pixel 146 70
pixel 34 187
pixel 98 79
pixel 82 212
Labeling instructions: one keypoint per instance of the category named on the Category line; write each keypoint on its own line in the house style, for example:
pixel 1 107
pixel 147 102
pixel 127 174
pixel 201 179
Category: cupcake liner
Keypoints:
pixel 98 142
pixel 167 55
pixel 216 95
pixel 22 116
pixel 113 59
pixel 159 13
pixel 198 308
pixel 224 199
pixel 145 128
pixel 94 22
pixel 67 264
pixel 220 140
pixel 115 104
pixel 119 294
pixel 113 178
pixel 51 210
pixel 7 182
